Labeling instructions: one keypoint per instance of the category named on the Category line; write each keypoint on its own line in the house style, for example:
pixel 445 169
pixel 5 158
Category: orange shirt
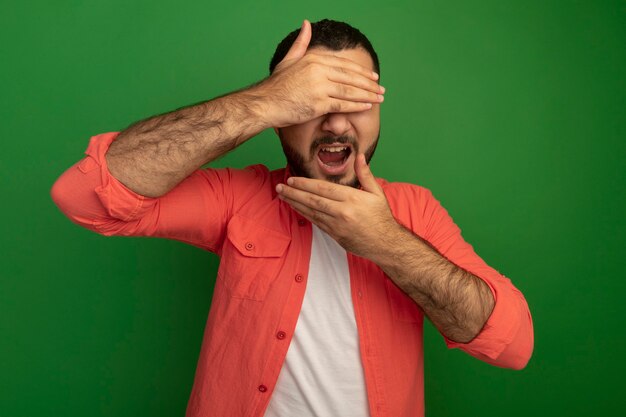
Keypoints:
pixel 265 246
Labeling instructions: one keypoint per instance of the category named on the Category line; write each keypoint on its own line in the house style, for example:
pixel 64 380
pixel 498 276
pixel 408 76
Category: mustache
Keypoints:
pixel 327 140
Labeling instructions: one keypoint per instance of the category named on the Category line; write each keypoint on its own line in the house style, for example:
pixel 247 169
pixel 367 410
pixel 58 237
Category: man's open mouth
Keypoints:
pixel 333 159
pixel 334 155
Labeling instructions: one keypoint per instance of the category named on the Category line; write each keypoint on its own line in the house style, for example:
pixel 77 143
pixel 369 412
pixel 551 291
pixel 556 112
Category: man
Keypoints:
pixel 326 272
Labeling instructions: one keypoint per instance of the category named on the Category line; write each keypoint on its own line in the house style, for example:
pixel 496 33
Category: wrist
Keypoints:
pixel 245 110
pixel 388 243
pixel 258 101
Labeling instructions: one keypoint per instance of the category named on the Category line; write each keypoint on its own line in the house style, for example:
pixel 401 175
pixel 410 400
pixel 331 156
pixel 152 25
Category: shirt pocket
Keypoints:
pixel 252 258
pixel 403 308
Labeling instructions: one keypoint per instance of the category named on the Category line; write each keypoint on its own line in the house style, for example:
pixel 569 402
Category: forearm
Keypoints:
pixel 152 156
pixel 457 302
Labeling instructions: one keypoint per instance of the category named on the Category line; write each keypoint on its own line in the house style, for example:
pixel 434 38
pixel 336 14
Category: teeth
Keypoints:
pixel 335 149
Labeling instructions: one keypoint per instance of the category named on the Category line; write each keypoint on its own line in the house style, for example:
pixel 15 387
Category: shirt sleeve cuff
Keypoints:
pixel 500 328
pixel 118 200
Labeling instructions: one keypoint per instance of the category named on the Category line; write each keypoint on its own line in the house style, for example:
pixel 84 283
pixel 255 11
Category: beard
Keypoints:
pixel 298 163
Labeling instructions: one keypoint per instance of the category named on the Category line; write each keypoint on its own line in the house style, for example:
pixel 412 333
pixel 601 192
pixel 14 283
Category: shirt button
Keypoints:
pixel 299 278
pixel 249 245
pixel 301 222
pixel 262 388
pixel 281 335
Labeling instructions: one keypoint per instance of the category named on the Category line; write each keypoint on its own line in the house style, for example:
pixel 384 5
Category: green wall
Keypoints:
pixel 512 113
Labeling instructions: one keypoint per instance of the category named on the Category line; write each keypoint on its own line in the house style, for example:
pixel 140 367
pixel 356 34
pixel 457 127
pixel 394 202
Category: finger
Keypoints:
pixel 310 200
pixel 365 176
pixel 300 45
pixel 325 189
pixel 344 106
pixel 345 76
pixel 312 215
pixel 345 63
pixel 348 92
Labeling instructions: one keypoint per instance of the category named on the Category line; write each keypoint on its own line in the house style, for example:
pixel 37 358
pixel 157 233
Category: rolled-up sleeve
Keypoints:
pixel 506 340
pixel 196 211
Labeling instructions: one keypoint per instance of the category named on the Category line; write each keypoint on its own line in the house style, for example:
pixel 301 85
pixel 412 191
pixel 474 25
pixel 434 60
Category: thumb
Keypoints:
pixel 365 176
pixel 299 46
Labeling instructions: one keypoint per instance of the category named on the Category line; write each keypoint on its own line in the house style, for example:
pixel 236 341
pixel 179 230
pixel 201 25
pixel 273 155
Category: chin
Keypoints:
pixel 349 181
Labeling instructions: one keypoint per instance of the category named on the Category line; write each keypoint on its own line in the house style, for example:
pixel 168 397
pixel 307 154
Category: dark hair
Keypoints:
pixel 329 34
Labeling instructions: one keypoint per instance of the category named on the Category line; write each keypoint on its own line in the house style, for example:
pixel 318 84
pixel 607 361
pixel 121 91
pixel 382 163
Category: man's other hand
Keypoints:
pixel 306 85
pixel 356 218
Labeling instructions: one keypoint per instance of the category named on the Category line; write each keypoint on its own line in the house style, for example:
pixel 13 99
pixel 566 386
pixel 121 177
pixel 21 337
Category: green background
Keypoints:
pixel 512 113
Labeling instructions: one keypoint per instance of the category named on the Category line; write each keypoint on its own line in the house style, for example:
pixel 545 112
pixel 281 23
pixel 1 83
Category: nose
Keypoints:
pixel 336 124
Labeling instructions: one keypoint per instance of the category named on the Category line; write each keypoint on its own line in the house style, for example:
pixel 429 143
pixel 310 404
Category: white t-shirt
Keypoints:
pixel 322 375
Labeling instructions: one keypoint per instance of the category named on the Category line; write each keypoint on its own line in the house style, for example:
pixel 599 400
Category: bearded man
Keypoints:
pixel 326 271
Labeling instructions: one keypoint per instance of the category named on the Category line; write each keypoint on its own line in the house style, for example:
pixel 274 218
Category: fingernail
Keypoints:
pixel 279 188
pixel 382 89
pixel 289 181
pixel 375 75
pixel 381 98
